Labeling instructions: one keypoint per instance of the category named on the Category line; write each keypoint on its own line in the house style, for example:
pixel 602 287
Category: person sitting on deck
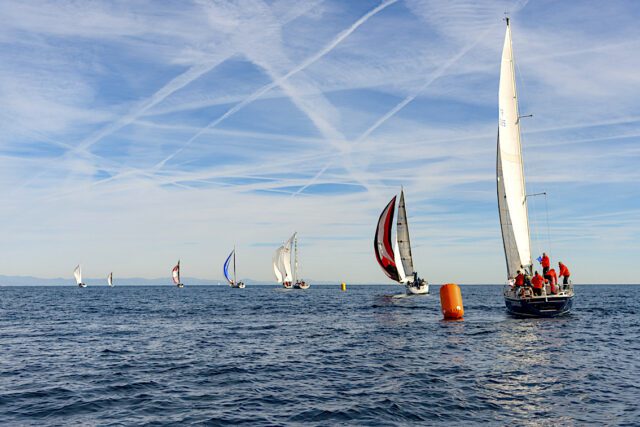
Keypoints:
pixel 564 273
pixel 553 281
pixel 519 281
pixel 538 283
pixel 545 263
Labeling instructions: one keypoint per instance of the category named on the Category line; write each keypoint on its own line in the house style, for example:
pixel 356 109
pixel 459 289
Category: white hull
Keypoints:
pixel 180 285
pixel 287 285
pixel 238 286
pixel 418 290
pixel 82 285
pixel 303 285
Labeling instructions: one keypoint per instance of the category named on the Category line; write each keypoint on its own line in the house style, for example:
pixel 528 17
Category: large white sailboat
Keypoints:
pixel 232 282
pixel 77 273
pixel 395 258
pixel 512 203
pixel 175 275
pixel 110 280
pixel 282 265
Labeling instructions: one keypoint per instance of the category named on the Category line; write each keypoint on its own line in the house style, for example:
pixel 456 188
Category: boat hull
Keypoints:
pixel 417 290
pixel 82 285
pixel 239 285
pixel 551 306
pixel 179 285
pixel 301 285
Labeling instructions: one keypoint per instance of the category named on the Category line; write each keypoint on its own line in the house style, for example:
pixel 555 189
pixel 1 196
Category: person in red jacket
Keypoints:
pixel 545 262
pixel 564 273
pixel 519 282
pixel 553 280
pixel 538 283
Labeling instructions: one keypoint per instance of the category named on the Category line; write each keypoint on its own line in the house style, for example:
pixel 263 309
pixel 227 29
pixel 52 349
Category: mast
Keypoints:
pixel 295 257
pixel 510 179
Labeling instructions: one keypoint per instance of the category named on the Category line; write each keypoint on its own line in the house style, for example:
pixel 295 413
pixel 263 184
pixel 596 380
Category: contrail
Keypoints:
pixel 257 94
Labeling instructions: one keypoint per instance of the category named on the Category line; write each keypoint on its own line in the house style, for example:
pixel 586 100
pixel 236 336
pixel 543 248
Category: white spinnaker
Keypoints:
pixel 77 273
pixel 514 220
pixel 175 273
pixel 110 279
pixel 276 265
pixel 404 244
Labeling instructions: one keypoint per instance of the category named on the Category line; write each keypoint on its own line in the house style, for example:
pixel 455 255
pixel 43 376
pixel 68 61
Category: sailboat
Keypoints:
pixel 282 265
pixel 110 280
pixel 175 275
pixel 77 273
pixel 395 259
pixel 232 282
pixel 512 204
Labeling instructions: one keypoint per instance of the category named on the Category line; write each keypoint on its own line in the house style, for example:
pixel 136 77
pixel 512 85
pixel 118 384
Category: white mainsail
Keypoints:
pixel 110 279
pixel 77 273
pixel 404 260
pixel 512 201
pixel 175 273
pixel 282 261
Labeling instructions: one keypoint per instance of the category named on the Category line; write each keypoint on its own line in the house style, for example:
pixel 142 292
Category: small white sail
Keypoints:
pixel 512 201
pixel 276 266
pixel 110 280
pixel 77 273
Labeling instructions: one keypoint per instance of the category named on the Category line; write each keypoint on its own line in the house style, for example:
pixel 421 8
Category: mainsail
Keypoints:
pixel 382 242
pixel 512 200
pixel 404 245
pixel 226 267
pixel 110 279
pixel 282 261
pixel 77 273
pixel 175 273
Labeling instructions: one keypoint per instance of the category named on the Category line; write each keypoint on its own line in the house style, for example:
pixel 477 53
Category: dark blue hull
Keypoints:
pixel 539 307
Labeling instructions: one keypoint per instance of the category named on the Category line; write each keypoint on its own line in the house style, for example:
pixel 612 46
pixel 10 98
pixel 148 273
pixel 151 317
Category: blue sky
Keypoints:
pixel 137 133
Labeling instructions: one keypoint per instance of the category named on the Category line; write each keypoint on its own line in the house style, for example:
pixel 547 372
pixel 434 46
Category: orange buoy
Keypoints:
pixel 451 301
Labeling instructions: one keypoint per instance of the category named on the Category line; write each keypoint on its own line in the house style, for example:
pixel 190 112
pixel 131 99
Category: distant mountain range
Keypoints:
pixel 129 281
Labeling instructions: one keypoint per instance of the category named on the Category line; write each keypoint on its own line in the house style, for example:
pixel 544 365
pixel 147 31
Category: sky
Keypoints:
pixel 134 134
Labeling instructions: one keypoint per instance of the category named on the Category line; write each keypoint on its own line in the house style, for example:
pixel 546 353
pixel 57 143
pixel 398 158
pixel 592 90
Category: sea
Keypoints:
pixel 263 356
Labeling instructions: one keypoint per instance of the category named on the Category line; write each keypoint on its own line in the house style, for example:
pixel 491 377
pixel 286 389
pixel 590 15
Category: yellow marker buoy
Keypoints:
pixel 451 301
pixel 343 286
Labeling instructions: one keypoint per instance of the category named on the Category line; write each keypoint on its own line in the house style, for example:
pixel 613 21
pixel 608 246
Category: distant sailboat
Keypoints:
pixel 396 259
pixel 282 265
pixel 77 273
pixel 232 282
pixel 110 280
pixel 512 203
pixel 175 275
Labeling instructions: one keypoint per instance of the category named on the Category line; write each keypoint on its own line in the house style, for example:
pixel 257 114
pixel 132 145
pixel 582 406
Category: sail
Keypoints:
pixel 382 242
pixel 276 265
pixel 77 273
pixel 225 268
pixel 282 261
pixel 404 244
pixel 512 201
pixel 110 279
pixel 286 259
pixel 175 273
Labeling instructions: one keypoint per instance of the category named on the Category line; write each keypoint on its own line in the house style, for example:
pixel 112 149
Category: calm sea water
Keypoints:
pixel 261 356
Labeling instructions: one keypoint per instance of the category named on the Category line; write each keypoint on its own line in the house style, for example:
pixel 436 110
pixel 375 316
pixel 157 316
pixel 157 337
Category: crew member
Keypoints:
pixel 538 282
pixel 553 280
pixel 519 282
pixel 546 263
pixel 564 273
